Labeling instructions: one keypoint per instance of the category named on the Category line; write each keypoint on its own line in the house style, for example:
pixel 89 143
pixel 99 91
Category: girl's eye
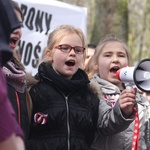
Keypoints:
pixel 64 48
pixel 121 55
pixel 107 55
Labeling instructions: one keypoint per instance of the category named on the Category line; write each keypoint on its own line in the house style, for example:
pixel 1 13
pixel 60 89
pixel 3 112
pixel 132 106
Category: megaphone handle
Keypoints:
pixel 129 86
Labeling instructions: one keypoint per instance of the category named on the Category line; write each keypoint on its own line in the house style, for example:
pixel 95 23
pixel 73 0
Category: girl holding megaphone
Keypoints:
pixel 111 55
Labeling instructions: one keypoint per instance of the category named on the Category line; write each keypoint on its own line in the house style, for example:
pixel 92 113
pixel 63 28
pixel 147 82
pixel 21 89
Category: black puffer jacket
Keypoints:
pixel 65 112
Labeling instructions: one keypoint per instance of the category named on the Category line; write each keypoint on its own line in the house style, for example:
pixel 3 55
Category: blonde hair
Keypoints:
pixel 59 33
pixel 89 68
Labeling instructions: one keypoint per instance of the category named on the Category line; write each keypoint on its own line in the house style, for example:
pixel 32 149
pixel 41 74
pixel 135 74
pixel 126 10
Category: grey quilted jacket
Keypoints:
pixel 123 140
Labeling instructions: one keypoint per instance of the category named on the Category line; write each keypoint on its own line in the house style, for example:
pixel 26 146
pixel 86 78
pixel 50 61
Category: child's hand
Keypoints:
pixel 127 101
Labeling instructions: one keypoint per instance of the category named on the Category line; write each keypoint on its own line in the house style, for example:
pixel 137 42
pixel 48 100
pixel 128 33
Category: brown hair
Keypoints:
pixel 94 60
pixel 16 7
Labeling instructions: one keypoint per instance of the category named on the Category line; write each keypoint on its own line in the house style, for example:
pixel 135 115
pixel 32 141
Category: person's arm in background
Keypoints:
pixel 13 142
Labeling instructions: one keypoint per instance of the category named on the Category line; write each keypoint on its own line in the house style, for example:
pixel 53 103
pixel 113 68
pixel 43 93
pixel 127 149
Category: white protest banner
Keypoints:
pixel 40 17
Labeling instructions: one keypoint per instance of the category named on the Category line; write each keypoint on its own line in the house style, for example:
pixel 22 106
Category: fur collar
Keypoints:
pixel 95 88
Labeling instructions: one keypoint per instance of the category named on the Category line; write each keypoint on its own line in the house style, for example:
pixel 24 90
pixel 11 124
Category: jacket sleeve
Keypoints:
pixel 111 120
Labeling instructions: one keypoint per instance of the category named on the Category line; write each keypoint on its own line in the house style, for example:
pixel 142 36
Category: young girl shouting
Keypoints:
pixel 112 54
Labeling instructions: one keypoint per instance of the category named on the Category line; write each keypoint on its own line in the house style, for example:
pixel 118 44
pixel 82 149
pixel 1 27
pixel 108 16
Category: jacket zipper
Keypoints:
pixel 67 107
pixel 68 125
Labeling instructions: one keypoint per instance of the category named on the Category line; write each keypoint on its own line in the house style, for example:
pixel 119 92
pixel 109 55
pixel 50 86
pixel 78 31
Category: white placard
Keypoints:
pixel 40 17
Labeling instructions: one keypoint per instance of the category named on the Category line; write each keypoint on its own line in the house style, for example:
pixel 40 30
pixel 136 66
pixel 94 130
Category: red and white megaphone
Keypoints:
pixel 138 75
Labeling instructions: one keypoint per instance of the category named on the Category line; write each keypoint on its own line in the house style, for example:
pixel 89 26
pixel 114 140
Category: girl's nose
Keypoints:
pixel 72 52
pixel 115 59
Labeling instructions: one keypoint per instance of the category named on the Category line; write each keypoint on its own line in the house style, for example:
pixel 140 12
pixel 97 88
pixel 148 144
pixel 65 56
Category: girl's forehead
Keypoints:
pixel 113 47
pixel 71 39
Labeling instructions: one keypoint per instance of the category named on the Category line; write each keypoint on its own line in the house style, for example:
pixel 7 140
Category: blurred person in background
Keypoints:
pixel 90 52
pixel 16 79
pixel 11 135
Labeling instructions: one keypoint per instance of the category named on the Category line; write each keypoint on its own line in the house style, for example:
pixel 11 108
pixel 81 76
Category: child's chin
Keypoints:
pixel 12 46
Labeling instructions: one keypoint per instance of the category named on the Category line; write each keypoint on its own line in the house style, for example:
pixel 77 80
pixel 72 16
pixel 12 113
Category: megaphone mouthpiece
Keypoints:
pixel 118 74
pixel 125 74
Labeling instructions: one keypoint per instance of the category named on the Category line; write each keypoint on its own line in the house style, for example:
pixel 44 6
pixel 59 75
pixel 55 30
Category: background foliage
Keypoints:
pixel 127 19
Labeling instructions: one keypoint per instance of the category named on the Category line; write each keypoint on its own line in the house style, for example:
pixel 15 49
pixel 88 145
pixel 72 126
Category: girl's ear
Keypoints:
pixel 48 54
pixel 95 66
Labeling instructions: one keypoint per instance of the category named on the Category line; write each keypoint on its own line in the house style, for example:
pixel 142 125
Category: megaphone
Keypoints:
pixel 138 75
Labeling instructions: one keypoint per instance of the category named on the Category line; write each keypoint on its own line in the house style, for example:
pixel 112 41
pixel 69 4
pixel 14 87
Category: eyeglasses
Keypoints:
pixel 67 48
